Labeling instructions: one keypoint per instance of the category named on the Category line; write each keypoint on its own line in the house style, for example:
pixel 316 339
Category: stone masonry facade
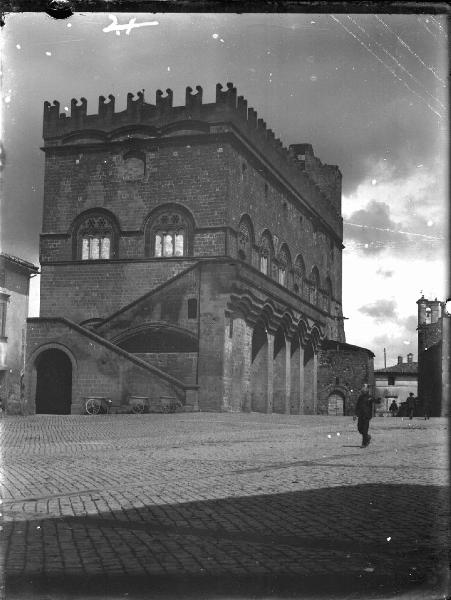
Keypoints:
pixel 186 252
pixel 434 355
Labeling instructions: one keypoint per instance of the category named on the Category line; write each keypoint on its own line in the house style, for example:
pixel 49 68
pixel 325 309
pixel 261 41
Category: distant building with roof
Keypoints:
pixel 15 276
pixel 396 382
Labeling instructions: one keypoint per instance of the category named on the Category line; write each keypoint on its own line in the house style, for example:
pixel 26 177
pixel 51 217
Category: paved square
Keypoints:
pixel 223 505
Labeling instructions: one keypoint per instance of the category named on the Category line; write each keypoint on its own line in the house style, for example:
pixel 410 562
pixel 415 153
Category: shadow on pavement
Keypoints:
pixel 363 541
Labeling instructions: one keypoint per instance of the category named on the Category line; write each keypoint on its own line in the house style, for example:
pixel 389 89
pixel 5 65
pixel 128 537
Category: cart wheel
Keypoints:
pixel 92 406
pixel 138 407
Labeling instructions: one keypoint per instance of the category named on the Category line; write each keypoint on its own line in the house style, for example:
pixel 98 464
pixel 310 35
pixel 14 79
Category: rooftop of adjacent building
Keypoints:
pixel 402 368
pixel 18 262
pixel 333 344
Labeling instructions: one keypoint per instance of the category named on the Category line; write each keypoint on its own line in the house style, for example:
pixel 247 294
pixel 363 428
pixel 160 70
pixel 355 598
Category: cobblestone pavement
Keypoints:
pixel 223 506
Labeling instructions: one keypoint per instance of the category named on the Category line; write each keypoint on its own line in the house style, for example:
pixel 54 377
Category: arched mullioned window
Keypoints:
pixel 299 274
pixel 283 265
pixel 266 253
pixel 95 236
pixel 315 284
pixel 245 239
pixel 169 233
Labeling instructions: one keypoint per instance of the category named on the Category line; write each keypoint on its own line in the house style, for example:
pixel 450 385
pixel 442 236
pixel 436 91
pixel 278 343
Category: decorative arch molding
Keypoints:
pixel 157 337
pixel 152 325
pixel 303 329
pixel 53 346
pixel 87 136
pixel 134 131
pixel 171 220
pixel 288 323
pixel 341 390
pixel 268 316
pixel 97 220
pixel 192 126
pixel 316 338
pixel 252 309
pixel 310 334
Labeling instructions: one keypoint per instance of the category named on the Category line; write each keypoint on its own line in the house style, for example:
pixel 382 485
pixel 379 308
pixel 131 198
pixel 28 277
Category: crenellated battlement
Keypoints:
pixel 298 161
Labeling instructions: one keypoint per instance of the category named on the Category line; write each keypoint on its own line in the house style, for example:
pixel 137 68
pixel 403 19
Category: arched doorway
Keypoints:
pixel 53 383
pixel 335 404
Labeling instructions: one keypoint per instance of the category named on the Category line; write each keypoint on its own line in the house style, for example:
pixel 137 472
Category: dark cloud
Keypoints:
pixel 308 78
pixel 373 230
pixel 380 310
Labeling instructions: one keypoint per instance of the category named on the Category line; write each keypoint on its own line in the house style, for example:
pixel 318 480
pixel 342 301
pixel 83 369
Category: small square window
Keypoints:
pixel 192 308
pixel 391 380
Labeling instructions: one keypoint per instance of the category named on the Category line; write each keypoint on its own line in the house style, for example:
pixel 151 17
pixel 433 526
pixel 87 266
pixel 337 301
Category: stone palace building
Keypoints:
pixel 186 253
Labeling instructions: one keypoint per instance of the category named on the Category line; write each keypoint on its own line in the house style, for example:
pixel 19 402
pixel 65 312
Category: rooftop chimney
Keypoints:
pixel 410 358
pixel 399 360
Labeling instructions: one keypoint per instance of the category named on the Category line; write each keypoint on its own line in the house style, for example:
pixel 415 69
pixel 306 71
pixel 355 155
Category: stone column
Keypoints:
pixel 287 375
pixel 247 357
pixel 315 382
pixel 270 389
pixel 301 380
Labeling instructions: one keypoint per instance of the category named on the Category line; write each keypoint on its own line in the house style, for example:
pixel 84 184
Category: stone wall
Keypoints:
pixel 98 368
pixel 270 207
pixel 343 369
pixel 182 365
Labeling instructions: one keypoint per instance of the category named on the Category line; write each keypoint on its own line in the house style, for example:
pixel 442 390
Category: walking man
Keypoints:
pixel 411 405
pixel 364 412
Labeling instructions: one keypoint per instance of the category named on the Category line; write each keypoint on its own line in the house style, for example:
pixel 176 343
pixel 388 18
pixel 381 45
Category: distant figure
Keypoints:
pixel 393 409
pixel 410 405
pixel 427 408
pixel 364 412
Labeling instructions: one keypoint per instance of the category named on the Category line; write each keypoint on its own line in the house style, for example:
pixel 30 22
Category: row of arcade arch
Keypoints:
pixel 271 360
pixel 287 269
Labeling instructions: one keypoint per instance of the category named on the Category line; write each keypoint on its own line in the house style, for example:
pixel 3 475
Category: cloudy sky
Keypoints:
pixel 367 91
